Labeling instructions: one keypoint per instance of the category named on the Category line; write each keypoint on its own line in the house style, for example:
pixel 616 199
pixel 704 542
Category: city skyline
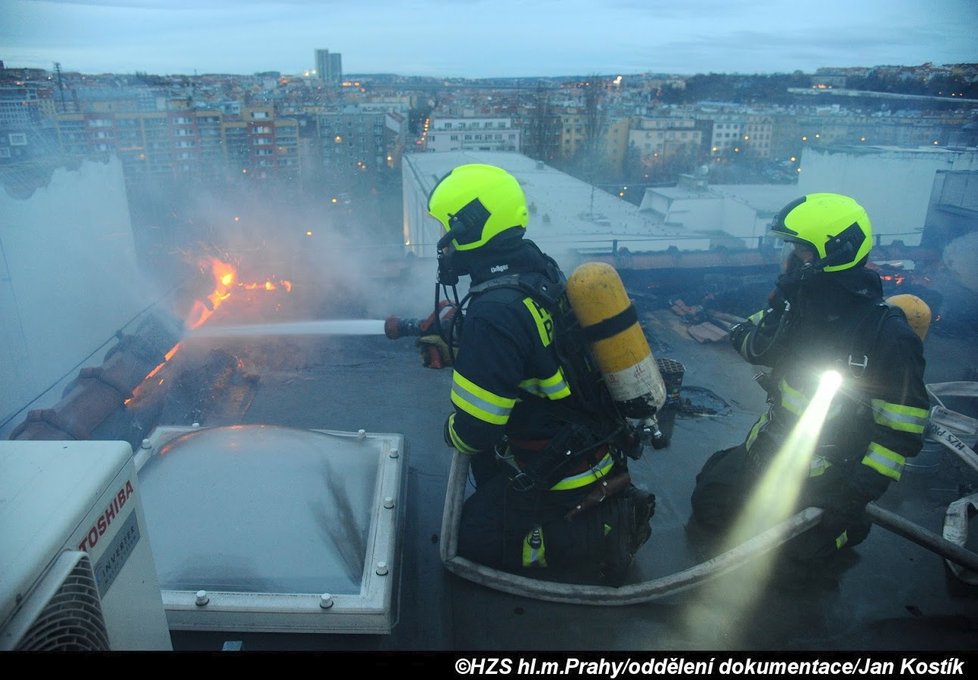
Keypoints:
pixel 436 38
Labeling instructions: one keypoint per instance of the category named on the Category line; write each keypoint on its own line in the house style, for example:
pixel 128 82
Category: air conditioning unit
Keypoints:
pixel 76 568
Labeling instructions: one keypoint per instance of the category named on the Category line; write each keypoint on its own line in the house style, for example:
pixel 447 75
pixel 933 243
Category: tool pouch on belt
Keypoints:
pixel 603 490
pixel 605 530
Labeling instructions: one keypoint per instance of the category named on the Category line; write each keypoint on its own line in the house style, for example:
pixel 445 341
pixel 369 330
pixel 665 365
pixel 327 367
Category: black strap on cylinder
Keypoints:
pixel 611 326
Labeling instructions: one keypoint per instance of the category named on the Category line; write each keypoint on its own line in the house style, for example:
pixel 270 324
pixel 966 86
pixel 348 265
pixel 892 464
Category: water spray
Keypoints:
pixel 320 327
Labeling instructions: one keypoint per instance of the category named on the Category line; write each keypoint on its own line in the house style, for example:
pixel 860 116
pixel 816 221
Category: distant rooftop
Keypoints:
pixel 565 213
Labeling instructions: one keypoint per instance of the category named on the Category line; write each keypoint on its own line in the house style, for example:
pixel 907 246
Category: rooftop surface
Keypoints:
pixel 565 212
pixel 894 595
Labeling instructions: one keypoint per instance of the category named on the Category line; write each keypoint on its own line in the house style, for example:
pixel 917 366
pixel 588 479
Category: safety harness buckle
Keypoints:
pixel 522 482
pixel 857 365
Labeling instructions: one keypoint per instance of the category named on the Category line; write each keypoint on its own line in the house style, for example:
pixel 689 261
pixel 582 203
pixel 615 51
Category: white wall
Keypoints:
pixel 421 231
pixel 893 185
pixel 708 212
pixel 68 279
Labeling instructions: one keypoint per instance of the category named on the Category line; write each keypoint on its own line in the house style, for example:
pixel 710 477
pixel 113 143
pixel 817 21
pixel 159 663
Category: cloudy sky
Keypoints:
pixel 485 38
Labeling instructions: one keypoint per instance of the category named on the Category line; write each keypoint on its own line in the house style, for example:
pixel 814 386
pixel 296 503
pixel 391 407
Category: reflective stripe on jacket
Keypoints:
pixel 876 419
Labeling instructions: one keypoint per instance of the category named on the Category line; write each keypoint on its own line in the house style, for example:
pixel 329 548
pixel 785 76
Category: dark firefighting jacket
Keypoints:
pixel 876 420
pixel 507 369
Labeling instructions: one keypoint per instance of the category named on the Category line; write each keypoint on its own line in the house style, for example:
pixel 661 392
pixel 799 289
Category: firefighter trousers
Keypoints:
pixel 508 528
pixel 725 484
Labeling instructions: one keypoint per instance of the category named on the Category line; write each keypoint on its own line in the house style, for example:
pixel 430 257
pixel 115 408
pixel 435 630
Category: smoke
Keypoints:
pixel 86 251
pixel 341 260
pixel 70 279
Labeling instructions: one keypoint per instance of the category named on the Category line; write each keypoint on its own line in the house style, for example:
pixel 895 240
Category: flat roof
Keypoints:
pixel 766 199
pixel 563 209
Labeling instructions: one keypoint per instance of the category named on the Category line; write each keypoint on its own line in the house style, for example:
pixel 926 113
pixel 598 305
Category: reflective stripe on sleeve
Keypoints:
pixel 818 465
pixel 899 417
pixel 480 403
pixel 793 400
pixel 457 441
pixel 554 387
pixel 756 429
pixel 886 462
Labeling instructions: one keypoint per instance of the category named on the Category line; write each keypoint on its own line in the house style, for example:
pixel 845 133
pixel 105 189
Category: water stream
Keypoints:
pixel 319 327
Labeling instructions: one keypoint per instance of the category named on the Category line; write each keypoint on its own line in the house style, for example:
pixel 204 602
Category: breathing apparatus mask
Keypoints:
pixel 798 267
pixel 447 279
pixel 464 227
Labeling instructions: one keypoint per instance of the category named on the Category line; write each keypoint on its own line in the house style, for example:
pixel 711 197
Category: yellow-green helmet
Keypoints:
pixel 477 202
pixel 836 226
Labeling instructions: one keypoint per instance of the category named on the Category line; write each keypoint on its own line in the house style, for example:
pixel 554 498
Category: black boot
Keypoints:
pixel 625 522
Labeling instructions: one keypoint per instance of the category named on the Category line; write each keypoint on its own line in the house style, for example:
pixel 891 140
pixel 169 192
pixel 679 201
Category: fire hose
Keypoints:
pixel 648 591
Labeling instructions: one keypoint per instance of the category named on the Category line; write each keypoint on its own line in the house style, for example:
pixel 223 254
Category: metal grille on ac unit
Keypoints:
pixel 63 613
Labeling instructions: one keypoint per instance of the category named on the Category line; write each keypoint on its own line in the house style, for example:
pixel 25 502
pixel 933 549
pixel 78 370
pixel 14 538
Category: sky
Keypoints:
pixel 485 38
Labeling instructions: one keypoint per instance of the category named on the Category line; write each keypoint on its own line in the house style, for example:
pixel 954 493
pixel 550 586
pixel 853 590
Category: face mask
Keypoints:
pixel 796 268
pixel 447 271
pixel 795 255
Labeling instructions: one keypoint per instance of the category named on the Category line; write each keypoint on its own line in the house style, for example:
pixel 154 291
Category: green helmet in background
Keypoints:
pixel 476 202
pixel 835 226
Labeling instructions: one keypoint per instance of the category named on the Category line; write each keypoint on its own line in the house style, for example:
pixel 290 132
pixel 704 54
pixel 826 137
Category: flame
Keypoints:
pixel 268 285
pixel 897 279
pixel 224 275
pixel 225 279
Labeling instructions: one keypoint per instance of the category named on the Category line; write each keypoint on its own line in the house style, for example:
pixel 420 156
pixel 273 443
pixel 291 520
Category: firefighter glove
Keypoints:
pixel 434 351
pixel 739 335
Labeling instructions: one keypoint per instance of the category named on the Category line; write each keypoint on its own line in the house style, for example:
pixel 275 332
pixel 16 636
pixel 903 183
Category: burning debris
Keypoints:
pixel 218 390
pixel 138 372
pixel 96 393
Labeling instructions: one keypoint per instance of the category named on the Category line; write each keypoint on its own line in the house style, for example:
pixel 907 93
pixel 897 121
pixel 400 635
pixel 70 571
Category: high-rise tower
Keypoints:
pixel 329 67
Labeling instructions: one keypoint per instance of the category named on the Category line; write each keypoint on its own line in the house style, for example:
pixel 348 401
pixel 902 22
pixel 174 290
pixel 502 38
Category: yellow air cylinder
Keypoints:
pixel 916 310
pixel 610 324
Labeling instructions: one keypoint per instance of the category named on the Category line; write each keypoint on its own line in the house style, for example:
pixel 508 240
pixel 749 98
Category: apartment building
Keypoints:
pixel 739 133
pixel 25 129
pixel 360 141
pixel 573 132
pixel 194 145
pixel 661 137
pixel 472 134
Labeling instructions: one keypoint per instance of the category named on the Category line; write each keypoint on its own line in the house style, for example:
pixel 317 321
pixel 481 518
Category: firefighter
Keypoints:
pixel 826 313
pixel 536 454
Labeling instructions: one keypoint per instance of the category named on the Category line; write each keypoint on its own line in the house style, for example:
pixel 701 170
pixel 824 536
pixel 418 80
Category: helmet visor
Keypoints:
pixel 795 254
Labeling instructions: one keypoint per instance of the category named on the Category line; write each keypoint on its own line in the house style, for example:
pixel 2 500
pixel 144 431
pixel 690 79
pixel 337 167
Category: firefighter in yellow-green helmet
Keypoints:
pixel 833 227
pixel 476 202
pixel 540 436
pixel 826 314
